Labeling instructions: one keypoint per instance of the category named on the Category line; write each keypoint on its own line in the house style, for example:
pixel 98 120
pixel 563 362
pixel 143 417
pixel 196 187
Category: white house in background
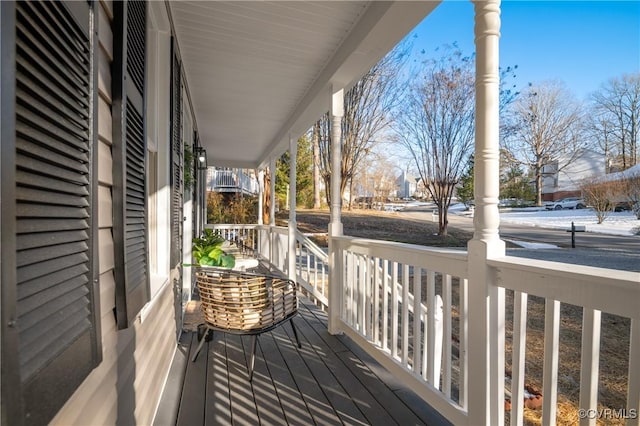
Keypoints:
pixel 562 178
pixel 406 185
pixel 625 174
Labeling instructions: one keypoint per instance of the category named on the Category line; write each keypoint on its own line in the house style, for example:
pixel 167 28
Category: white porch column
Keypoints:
pixel 272 213
pixel 272 192
pixel 335 223
pixel 260 195
pixel 486 302
pixel 262 233
pixel 293 154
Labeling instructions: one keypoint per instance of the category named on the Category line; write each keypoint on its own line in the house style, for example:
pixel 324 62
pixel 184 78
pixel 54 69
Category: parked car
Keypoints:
pixel 515 202
pixel 566 203
pixel 623 206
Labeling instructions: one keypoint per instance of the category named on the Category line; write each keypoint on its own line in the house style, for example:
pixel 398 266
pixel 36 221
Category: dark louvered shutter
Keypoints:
pixel 177 153
pixel 48 234
pixel 130 160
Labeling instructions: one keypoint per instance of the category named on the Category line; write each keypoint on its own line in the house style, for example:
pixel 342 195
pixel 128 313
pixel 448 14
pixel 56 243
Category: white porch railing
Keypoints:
pixel 373 315
pixel 231 180
pixel 405 305
pixel 312 270
pixel 390 296
pixel 271 243
pixel 594 290
pixel 245 235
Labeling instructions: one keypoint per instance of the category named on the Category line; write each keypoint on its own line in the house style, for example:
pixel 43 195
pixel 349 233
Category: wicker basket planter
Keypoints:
pixel 245 303
pixel 241 302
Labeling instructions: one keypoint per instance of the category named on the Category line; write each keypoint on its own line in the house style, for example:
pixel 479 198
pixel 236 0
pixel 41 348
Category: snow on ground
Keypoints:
pixel 529 245
pixel 622 223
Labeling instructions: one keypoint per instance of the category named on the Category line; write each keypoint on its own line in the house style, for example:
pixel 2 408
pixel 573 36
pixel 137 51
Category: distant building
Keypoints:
pixel 631 172
pixel 562 178
pixel 405 185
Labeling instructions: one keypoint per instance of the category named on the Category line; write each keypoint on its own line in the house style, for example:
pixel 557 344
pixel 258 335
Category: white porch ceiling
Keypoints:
pixel 258 72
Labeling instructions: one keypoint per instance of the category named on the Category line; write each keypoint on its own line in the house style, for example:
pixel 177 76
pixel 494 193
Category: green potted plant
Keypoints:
pixel 207 251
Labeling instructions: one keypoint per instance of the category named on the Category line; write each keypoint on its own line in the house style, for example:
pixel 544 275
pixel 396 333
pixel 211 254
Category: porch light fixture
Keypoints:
pixel 202 157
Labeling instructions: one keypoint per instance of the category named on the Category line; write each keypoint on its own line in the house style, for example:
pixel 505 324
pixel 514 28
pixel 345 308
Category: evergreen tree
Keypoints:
pixel 465 190
pixel 304 175
pixel 515 183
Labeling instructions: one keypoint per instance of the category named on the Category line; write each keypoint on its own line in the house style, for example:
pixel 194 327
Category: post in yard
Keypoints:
pixel 573 231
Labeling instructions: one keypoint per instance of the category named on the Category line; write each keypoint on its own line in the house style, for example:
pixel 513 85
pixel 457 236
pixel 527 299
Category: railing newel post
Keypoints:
pixel 485 391
pixel 336 269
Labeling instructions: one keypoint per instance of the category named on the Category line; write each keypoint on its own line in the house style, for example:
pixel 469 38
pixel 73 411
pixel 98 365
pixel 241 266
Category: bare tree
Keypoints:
pixel 631 188
pixel 436 122
pixel 618 101
pixel 436 125
pixel 599 127
pixel 547 125
pixel 599 194
pixel 365 182
pixel 382 178
pixel 367 113
pixel 324 151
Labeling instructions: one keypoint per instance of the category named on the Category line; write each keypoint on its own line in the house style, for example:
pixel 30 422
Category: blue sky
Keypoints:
pixel 582 43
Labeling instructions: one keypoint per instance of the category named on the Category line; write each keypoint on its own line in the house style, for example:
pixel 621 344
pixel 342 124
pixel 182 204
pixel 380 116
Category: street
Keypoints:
pixel 592 249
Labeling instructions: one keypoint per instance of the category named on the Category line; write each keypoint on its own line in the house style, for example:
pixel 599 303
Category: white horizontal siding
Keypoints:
pixel 135 362
pixel 105 246
pixel 105 219
pixel 105 175
pixel 104 75
pixel 153 344
pixel 154 355
pixel 105 35
pixel 105 131
pixel 107 297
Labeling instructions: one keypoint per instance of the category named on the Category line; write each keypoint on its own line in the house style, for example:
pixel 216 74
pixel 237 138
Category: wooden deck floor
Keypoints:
pixel 329 381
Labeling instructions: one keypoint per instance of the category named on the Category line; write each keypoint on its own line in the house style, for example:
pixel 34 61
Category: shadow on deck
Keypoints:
pixel 329 381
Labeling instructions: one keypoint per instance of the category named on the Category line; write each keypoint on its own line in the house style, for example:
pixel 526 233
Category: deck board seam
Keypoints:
pixel 260 364
pixel 252 409
pixel 273 384
pixel 337 380
pixel 276 388
pixel 347 346
pixel 226 362
pixel 302 358
pixel 329 348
